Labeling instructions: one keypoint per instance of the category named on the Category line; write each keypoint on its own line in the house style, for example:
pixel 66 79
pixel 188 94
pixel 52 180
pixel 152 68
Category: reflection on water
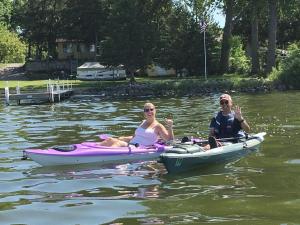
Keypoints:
pixel 294 161
pixel 245 192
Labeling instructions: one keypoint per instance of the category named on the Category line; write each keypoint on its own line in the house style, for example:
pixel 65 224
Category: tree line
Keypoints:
pixel 137 33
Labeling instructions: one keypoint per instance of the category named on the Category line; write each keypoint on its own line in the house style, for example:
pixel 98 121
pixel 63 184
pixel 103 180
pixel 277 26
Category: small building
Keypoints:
pixel 70 54
pixel 96 71
pixel 155 70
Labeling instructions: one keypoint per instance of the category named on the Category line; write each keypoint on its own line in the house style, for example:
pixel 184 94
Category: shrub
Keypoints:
pixel 239 62
pixel 12 49
pixel 289 68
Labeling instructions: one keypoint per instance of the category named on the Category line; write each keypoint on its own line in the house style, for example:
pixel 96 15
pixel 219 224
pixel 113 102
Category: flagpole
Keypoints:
pixel 205 72
pixel 203 26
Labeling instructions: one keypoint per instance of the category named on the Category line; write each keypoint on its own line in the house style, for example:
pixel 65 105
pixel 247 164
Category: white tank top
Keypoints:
pixel 144 136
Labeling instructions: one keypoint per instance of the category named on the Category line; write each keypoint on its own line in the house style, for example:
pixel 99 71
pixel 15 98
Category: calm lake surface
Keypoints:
pixel 262 188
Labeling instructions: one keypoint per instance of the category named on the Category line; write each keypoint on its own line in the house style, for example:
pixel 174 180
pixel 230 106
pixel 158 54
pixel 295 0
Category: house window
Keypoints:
pixel 81 48
pixel 92 48
pixel 67 47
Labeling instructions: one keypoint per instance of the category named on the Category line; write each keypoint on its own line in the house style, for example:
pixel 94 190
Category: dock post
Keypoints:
pixel 51 97
pixel 58 91
pixel 18 89
pixel 48 85
pixel 6 95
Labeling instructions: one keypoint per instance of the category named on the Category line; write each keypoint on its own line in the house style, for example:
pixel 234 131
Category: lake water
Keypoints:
pixel 262 188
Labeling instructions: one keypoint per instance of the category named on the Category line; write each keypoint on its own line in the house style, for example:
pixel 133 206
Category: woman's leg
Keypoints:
pixel 113 142
pixel 125 138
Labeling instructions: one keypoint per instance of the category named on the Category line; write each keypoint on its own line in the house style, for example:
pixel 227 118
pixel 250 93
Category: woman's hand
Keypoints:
pixel 169 123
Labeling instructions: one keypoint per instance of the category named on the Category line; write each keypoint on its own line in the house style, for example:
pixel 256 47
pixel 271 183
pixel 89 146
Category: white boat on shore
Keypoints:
pixel 96 71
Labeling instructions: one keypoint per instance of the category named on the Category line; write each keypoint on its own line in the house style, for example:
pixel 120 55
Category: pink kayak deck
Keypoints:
pixel 93 149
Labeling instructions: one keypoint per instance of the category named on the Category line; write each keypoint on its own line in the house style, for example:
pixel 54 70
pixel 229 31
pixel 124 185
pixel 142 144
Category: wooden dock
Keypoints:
pixel 54 93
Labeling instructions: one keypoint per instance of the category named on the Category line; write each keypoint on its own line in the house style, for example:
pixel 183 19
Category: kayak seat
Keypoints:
pixel 64 148
pixel 185 139
pixel 185 148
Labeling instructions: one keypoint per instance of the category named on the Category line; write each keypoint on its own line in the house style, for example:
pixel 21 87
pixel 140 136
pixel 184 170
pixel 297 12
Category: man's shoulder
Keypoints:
pixel 217 114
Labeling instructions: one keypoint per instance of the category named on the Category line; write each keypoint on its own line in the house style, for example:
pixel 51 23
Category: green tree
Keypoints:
pixel 289 68
pixel 182 41
pixel 254 26
pixel 272 30
pixel 133 33
pixel 39 22
pixel 255 64
pixel 5 12
pixel 239 62
pixel 288 23
pixel 173 35
pixel 85 20
pixel 12 49
pixel 227 34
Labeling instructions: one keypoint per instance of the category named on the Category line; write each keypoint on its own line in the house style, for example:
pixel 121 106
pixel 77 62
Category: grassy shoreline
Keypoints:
pixel 167 86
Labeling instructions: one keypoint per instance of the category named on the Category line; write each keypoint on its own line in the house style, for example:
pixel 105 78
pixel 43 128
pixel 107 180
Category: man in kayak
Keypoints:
pixel 147 133
pixel 227 123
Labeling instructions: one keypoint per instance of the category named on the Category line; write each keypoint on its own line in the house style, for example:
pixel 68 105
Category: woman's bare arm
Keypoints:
pixel 166 133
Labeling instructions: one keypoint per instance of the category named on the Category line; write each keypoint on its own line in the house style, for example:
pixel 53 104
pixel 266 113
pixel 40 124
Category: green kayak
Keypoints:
pixel 188 156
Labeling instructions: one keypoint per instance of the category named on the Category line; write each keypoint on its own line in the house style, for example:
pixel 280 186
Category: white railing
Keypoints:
pixel 53 88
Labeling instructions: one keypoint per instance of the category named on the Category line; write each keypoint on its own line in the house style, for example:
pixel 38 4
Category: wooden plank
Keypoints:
pixel 29 96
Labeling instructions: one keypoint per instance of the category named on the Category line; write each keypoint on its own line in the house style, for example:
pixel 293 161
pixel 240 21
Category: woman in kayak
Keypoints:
pixel 147 133
pixel 227 123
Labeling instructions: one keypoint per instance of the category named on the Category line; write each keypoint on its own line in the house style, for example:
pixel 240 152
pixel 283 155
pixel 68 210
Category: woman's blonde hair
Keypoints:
pixel 149 104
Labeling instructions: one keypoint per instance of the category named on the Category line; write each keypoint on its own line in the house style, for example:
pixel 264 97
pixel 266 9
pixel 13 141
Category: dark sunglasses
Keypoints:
pixel 148 110
pixel 224 102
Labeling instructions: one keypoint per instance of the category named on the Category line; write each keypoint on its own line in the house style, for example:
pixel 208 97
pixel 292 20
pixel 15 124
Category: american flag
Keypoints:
pixel 203 26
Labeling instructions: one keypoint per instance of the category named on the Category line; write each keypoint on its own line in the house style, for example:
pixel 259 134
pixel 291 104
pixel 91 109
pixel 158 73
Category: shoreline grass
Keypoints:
pixel 157 85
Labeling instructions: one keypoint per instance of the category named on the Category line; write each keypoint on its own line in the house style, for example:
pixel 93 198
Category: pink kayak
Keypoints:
pixel 91 152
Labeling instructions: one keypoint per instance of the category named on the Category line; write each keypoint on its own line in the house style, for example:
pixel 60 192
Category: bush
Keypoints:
pixel 289 68
pixel 12 49
pixel 239 62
